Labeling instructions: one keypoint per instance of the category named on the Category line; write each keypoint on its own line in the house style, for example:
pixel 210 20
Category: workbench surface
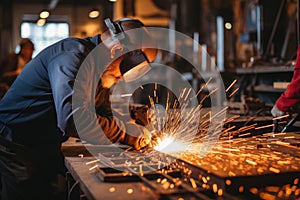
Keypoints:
pixel 242 168
pixel 94 188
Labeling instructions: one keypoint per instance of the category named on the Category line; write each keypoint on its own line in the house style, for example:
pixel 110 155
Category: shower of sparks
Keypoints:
pixel 126 95
pixel 185 127
pixel 198 136
pixel 235 91
pixel 170 145
pixel 281 117
pixel 230 86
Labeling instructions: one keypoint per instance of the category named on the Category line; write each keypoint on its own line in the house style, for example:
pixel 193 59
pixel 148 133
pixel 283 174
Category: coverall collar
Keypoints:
pixel 96 39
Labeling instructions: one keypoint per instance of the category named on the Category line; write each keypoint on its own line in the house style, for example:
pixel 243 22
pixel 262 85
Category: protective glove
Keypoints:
pixel 137 136
pixel 154 139
pixel 276 112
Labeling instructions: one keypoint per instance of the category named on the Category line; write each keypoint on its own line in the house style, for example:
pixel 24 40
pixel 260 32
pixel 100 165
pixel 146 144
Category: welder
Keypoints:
pixel 37 113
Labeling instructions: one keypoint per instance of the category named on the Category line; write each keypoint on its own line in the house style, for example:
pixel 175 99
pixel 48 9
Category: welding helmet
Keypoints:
pixel 135 62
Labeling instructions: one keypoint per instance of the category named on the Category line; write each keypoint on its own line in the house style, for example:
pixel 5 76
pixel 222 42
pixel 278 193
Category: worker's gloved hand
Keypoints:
pixel 137 136
pixel 154 140
pixel 276 112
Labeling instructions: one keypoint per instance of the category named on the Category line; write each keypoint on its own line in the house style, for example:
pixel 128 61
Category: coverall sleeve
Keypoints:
pixel 73 87
pixel 291 95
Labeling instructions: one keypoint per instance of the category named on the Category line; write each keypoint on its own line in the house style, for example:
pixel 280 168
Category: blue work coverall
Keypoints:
pixel 36 116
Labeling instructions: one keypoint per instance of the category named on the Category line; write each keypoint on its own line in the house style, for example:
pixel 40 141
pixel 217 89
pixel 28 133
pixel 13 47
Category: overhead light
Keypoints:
pixel 94 13
pixel 44 14
pixel 228 25
pixel 41 22
pixel 113 0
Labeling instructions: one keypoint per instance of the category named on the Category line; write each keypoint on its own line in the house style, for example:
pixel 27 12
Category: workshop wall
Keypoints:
pixel 75 15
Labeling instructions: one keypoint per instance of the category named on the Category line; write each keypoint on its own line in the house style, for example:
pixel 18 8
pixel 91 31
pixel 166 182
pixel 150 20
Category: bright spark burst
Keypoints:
pixel 192 129
pixel 171 145
pixel 184 126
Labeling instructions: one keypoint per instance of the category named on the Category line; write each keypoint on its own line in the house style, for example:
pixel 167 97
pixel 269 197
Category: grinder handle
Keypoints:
pixel 275 126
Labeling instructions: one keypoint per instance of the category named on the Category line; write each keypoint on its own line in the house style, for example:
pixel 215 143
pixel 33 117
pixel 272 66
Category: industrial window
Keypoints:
pixel 43 36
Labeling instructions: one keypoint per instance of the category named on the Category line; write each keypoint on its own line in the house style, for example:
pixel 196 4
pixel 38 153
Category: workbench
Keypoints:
pixel 90 187
pixel 83 183
pixel 241 169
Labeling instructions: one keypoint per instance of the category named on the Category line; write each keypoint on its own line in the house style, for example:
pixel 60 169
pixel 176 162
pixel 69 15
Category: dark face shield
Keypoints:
pixel 135 62
pixel 134 65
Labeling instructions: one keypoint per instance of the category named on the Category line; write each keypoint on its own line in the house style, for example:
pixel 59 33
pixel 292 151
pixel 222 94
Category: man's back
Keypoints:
pixel 34 103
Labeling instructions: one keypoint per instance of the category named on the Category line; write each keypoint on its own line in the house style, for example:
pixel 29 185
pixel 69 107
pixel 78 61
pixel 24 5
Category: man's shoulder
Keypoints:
pixel 77 44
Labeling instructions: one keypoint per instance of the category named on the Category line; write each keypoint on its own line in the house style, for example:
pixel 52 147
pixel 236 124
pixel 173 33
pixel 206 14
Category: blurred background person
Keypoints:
pixel 13 63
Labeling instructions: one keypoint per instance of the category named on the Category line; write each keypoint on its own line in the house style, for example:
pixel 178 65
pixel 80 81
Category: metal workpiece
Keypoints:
pixel 262 167
pixel 221 161
pixel 201 153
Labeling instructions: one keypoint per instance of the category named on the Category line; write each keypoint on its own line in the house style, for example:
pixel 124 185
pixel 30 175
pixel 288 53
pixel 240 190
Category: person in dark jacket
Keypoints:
pixel 61 93
pixel 291 96
pixel 12 64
